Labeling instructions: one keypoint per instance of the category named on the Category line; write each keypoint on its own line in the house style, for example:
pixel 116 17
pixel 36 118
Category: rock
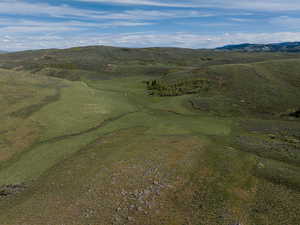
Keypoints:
pixel 117 219
pixel 129 218
pixel 261 165
pixel 155 182
pixel 7 190
pixel 147 192
pixel 136 193
pixel 170 186
pixel 149 205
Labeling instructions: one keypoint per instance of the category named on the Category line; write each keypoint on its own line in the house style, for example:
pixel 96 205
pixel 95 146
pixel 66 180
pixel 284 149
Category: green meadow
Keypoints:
pixel 84 142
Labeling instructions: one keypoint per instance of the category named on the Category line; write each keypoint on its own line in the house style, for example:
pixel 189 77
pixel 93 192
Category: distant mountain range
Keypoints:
pixel 248 47
pixel 275 47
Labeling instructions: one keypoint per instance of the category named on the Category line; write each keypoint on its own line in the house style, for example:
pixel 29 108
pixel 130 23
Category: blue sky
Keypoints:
pixel 35 24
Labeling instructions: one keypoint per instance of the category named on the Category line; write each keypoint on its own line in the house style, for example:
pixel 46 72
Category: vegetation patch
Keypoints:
pixel 179 87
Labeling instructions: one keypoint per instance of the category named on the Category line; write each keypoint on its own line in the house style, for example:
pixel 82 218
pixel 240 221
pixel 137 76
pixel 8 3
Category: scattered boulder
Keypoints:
pixel 11 189
pixel 155 182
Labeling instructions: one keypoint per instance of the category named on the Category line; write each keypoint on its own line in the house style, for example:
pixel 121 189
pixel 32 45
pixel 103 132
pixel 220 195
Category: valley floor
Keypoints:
pixel 105 152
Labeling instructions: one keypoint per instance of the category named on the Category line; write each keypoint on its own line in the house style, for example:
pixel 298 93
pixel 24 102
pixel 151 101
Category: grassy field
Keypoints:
pixel 82 146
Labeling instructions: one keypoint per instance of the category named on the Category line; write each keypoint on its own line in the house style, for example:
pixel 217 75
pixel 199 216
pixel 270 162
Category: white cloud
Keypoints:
pixel 155 14
pixel 15 26
pixel 17 7
pixel 286 21
pixel 242 20
pixel 141 2
pixel 265 5
pixel 123 24
pixel 187 40
pixel 34 29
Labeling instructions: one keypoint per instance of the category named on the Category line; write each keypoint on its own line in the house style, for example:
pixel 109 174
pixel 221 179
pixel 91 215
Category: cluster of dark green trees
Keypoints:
pixel 179 87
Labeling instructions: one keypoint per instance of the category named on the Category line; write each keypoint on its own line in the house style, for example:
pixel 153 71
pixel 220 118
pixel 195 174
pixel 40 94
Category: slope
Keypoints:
pixel 104 151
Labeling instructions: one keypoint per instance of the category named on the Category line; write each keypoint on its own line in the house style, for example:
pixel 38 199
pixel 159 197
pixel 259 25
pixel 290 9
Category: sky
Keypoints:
pixel 39 24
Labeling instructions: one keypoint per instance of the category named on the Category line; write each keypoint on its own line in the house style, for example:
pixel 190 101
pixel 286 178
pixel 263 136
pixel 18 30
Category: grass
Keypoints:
pixel 59 120
pixel 91 107
pixel 103 151
pixel 229 92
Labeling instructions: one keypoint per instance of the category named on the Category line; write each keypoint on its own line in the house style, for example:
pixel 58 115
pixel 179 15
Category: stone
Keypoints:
pixel 147 192
pixel 123 192
pixel 136 193
pixel 129 218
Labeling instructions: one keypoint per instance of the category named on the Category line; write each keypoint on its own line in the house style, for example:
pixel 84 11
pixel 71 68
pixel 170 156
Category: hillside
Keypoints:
pixel 265 89
pixel 96 58
pixel 276 47
pixel 103 135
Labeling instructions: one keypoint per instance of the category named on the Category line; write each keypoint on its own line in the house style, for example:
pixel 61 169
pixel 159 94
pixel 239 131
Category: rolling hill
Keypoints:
pixel 103 135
